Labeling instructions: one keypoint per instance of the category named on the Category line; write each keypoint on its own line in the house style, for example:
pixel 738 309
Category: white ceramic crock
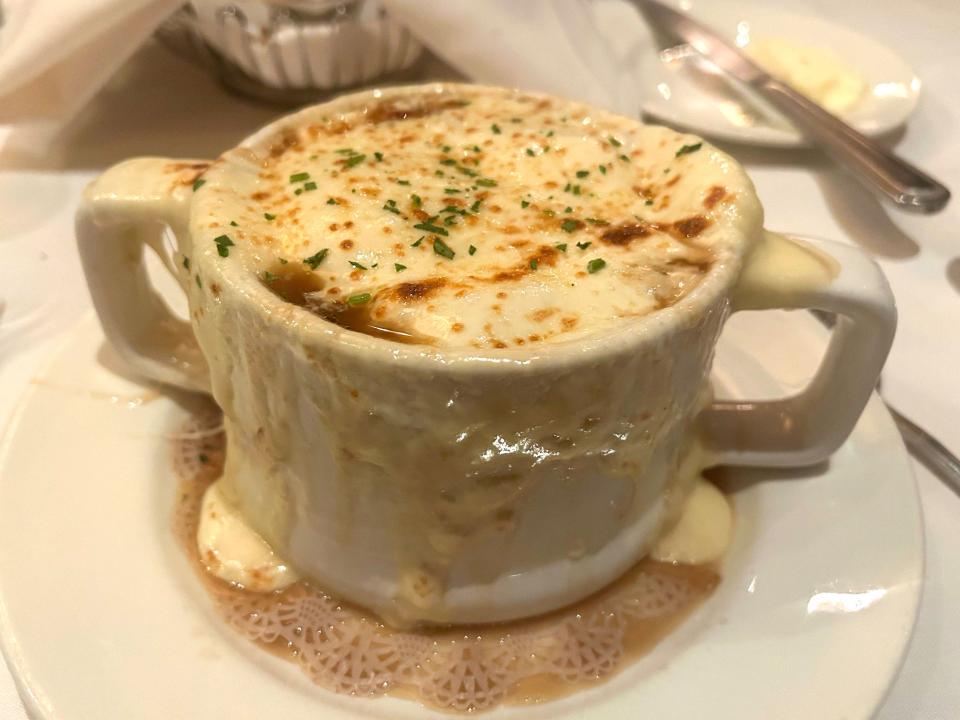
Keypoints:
pixel 456 486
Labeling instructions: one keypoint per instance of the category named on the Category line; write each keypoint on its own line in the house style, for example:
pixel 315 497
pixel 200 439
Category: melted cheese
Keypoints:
pixel 482 217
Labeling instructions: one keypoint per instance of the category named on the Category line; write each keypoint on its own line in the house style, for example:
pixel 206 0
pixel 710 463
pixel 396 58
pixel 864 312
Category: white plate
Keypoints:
pixel 101 616
pixel 679 94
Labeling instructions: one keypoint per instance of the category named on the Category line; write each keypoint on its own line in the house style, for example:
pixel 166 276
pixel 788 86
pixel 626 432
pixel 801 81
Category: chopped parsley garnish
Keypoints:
pixel 379 156
pixel 346 151
pixel 391 206
pixel 438 173
pixel 596 264
pixel 476 148
pixel 562 247
pixel 495 128
pixel 471 250
pixel 357 265
pixel 568 209
pixel 687 149
pixel 450 220
pixel 198 183
pixel 269 276
pixel 533 264
pixel 486 182
pixel 299 177
pixel 417 243
pixel 268 216
pixel 403 182
pixel 530 152
pixel 314 260
pixel 398 267
pixel 570 225
pixel 625 158
pixel 613 141
pixel 451 191
pixel 448 161
pixel 441 248
pixel 476 206
pixel 648 202
pixel 199 284
pixel 602 169
pixel 310 186
pixel 332 201
pixel 224 243
pixel 582 173
pixel 446 148
pixel 416 200
pixel 233 223
pixel 597 221
pixel 359 299
pixel 354 160
pixel 524 203
pixel 186 263
pixel 549 213
pixel 431 228
pixel 298 191
pixel 584 245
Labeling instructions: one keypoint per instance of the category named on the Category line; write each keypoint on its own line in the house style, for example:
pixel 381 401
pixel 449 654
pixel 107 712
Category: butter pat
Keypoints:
pixel 818 73
pixel 702 533
pixel 233 551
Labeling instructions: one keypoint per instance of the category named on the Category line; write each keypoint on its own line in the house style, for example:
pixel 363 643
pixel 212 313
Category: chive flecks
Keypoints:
pixel 486 182
pixel 357 265
pixel 298 191
pixel 530 152
pixel 451 191
pixel 582 173
pixel 431 228
pixel 416 200
pixel 613 141
pixel 332 201
pixel 472 250
pixel 441 248
pixel 596 264
pixel 403 182
pixel 562 247
pixel 687 149
pixel 476 206
pixel 533 264
pixel 359 299
pixel 648 202
pixel 268 216
pixel 625 158
pixel 524 203
pixel 354 160
pixel 224 243
pixel 495 128
pixel 398 267
pixel 417 243
pixel 378 156
pixel 233 223
pixel 198 183
pixel 446 148
pixel 391 206
pixel 186 263
pixel 570 225
pixel 199 284
pixel 584 245
pixel 602 169
pixel 269 277
pixel 299 177
pixel 314 260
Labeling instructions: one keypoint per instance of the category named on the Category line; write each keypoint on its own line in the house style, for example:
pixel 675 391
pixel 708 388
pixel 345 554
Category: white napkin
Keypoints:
pixel 55 54
pixel 555 46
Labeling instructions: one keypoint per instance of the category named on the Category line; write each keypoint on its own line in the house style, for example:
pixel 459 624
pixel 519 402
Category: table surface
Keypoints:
pixel 160 105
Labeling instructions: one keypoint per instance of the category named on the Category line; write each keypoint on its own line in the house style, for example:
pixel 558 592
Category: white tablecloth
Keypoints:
pixel 159 104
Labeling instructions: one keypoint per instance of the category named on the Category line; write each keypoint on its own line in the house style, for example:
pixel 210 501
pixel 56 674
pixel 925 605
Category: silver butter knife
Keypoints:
pixel 878 168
